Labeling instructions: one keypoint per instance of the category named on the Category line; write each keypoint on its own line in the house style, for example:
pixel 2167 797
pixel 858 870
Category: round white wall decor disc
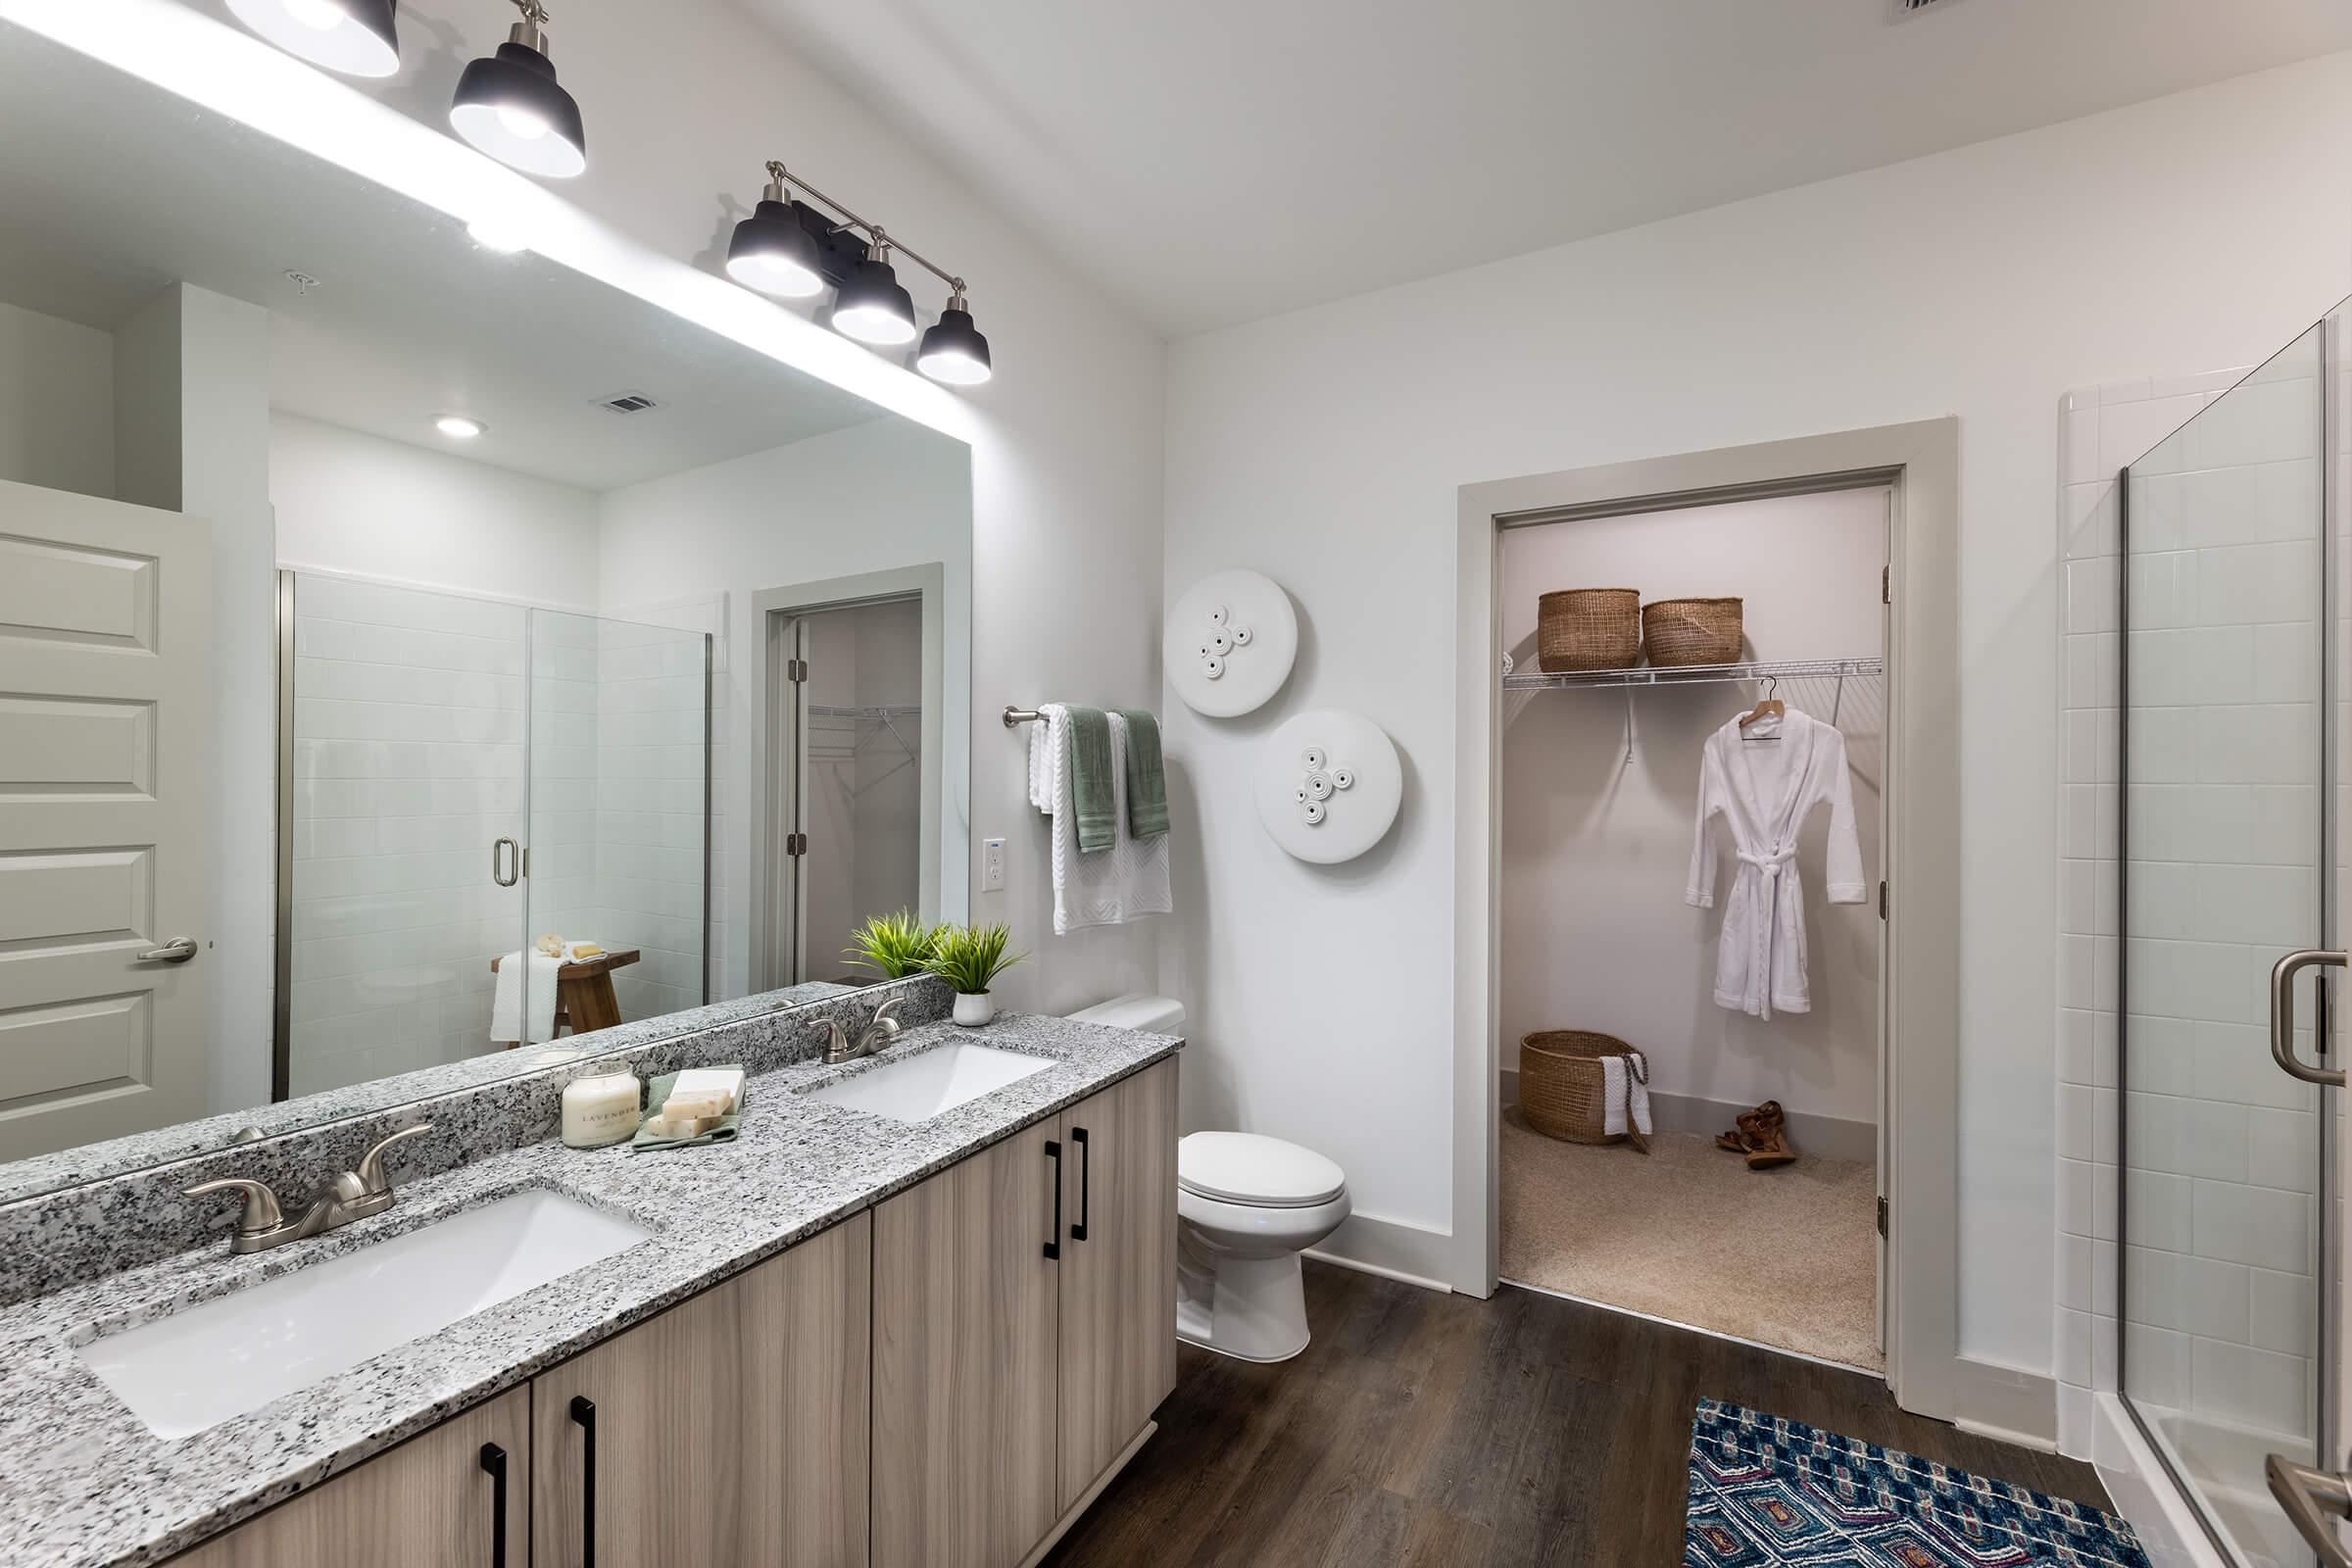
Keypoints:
pixel 1329 783
pixel 1230 643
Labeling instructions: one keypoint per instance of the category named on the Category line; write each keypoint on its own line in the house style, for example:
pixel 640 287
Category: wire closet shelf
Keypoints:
pixel 1770 673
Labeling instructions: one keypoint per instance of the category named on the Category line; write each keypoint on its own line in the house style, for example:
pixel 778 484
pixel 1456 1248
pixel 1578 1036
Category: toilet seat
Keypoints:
pixel 1255 1171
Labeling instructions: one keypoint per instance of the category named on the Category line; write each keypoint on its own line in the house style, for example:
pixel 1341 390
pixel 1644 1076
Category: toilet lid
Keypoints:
pixel 1249 1168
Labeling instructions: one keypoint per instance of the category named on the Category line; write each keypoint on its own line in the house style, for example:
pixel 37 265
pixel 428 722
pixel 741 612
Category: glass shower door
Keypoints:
pixel 620 816
pixel 2226 848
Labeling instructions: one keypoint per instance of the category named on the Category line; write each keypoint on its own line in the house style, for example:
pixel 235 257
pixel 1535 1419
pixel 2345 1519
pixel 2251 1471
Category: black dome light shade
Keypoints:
pixel 356 37
pixel 954 351
pixel 511 106
pixel 772 252
pixel 872 305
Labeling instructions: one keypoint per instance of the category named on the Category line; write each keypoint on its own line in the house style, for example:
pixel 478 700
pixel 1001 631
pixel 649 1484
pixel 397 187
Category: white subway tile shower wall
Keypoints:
pixel 651 728
pixel 2219 1272
pixel 408 765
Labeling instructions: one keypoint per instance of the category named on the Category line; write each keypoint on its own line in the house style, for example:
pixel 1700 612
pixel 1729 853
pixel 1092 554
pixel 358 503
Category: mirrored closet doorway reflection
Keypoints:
pixel 462 778
pixel 1689 885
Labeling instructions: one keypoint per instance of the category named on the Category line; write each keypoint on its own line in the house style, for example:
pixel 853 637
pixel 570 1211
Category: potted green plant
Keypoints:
pixel 968 957
pixel 895 944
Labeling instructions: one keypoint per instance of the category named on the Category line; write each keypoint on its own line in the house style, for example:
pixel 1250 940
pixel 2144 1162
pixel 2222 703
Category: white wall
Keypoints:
pixel 354 502
pixel 1594 932
pixel 1326 448
pixel 683 105
pixel 869 498
pixel 57 403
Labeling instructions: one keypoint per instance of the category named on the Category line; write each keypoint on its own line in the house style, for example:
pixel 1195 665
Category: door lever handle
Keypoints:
pixel 2282 1015
pixel 2312 1501
pixel 179 950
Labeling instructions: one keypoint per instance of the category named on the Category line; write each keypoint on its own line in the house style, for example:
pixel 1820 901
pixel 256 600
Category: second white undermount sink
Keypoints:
pixel 919 1087
pixel 198 1366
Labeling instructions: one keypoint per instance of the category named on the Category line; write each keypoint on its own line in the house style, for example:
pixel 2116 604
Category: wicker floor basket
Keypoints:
pixel 1561 1089
pixel 1589 628
pixel 1693 631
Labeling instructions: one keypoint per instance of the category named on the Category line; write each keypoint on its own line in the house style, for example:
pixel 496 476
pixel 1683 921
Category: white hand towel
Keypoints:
pixel 1109 887
pixel 1624 1094
pixel 516 1018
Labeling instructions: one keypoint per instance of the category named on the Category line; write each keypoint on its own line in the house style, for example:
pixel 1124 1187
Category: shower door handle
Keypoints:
pixel 2312 1501
pixel 506 863
pixel 2282 1016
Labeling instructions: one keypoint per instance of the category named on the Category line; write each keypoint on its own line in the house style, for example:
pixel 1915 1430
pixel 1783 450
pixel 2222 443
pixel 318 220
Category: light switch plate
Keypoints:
pixel 992 865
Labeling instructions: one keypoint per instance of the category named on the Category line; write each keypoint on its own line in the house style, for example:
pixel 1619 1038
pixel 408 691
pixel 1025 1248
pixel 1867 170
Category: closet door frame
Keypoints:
pixel 1920 978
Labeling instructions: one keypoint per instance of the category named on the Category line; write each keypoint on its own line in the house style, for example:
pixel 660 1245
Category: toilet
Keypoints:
pixel 1247 1205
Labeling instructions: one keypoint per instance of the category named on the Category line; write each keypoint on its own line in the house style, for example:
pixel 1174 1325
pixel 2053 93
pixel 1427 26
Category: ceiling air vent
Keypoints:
pixel 626 403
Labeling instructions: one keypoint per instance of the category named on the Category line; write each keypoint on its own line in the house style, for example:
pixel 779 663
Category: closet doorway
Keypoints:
pixel 1690 876
pixel 1911 887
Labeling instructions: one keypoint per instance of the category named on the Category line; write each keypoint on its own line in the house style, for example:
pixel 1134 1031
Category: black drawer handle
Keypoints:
pixel 1086 1181
pixel 1053 1240
pixel 494 1461
pixel 583 1415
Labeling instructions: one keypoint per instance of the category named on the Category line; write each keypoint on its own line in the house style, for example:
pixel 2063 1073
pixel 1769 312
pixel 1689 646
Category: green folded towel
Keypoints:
pixel 1090 778
pixel 657 1095
pixel 1147 778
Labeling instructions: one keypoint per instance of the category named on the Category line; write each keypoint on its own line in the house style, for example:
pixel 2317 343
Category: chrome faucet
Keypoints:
pixel 352 1194
pixel 879 1030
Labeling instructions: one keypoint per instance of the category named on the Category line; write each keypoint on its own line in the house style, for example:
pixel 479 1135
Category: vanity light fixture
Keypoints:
pixel 457 427
pixel 772 251
pixel 954 351
pixel 353 36
pixel 790 248
pixel 511 106
pixel 872 304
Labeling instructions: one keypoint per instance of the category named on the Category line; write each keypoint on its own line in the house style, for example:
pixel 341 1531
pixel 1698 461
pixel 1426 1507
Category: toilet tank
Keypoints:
pixel 1157 1015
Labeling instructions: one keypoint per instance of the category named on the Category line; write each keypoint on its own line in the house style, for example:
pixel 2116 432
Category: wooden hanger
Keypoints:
pixel 1767 706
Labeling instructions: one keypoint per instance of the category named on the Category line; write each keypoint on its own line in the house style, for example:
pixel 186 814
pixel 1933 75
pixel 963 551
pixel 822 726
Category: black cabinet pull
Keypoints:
pixel 494 1461
pixel 1086 1181
pixel 583 1415
pixel 1053 1240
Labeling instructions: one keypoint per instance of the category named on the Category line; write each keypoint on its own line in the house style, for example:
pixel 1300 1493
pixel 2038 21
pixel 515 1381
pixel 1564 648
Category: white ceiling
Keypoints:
pixel 1217 161
pixel 113 189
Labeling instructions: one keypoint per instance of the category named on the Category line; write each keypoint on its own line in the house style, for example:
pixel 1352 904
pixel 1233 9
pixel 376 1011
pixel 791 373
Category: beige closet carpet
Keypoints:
pixel 1689 1233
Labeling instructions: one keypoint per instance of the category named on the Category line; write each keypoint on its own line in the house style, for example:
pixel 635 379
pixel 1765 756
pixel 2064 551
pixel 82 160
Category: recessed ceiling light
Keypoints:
pixel 457 427
pixel 496 232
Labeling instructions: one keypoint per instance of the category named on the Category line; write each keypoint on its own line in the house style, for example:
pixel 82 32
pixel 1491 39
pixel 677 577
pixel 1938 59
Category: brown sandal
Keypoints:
pixel 1731 1143
pixel 1764 1131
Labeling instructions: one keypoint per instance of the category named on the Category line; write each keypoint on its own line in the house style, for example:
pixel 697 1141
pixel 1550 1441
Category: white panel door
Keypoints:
pixel 104 710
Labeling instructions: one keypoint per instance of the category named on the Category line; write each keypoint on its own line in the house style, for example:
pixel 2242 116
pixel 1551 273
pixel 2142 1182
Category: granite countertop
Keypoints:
pixel 84 1483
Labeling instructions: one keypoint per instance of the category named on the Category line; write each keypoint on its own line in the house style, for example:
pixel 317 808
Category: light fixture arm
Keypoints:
pixel 778 178
pixel 530 30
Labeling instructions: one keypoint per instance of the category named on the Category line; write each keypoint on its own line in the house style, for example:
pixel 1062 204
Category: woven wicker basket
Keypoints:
pixel 1691 631
pixel 1589 628
pixel 1561 1090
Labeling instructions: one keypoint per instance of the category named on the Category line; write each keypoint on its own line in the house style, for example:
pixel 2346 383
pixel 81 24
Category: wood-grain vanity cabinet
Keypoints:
pixel 731 1429
pixel 1024 1328
pixel 459 1495
pixel 940 1382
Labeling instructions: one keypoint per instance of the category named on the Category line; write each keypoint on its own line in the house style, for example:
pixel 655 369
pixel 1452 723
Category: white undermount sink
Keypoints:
pixel 919 1087
pixel 203 1364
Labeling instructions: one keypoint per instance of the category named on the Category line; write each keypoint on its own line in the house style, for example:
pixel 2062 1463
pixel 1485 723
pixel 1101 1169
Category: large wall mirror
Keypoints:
pixel 467 658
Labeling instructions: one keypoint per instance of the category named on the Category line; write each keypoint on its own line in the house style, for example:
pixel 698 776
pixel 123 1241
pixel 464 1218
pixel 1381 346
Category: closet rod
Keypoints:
pixel 1689 675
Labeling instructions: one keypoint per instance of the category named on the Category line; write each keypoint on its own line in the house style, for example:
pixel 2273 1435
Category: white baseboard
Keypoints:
pixel 1392 1249
pixel 2004 1403
pixel 1830 1137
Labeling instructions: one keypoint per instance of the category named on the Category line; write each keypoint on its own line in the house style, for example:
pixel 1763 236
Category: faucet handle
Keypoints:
pixel 373 1179
pixel 886 1017
pixel 261 1212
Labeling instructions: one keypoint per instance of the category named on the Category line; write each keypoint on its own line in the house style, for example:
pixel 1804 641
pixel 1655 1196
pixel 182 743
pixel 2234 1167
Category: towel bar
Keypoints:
pixel 1014 717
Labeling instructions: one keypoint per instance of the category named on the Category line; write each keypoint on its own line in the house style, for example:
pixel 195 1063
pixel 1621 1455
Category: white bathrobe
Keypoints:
pixel 1765 780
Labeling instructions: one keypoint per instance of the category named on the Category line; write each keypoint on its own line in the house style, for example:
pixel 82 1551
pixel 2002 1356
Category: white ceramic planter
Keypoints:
pixel 975 1009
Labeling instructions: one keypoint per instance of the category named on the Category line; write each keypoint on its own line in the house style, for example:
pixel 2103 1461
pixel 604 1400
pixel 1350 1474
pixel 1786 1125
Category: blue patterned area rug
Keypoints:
pixel 1767 1493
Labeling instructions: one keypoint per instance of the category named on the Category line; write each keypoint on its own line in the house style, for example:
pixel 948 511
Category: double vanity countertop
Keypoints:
pixel 86 1484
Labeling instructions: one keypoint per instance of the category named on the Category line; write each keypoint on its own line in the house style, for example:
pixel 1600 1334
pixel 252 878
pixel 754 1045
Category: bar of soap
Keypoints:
pixel 586 949
pixel 723 1080
pixel 680 1106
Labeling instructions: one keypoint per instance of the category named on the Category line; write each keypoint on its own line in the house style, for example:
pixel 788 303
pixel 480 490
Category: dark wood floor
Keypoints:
pixel 1430 1428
